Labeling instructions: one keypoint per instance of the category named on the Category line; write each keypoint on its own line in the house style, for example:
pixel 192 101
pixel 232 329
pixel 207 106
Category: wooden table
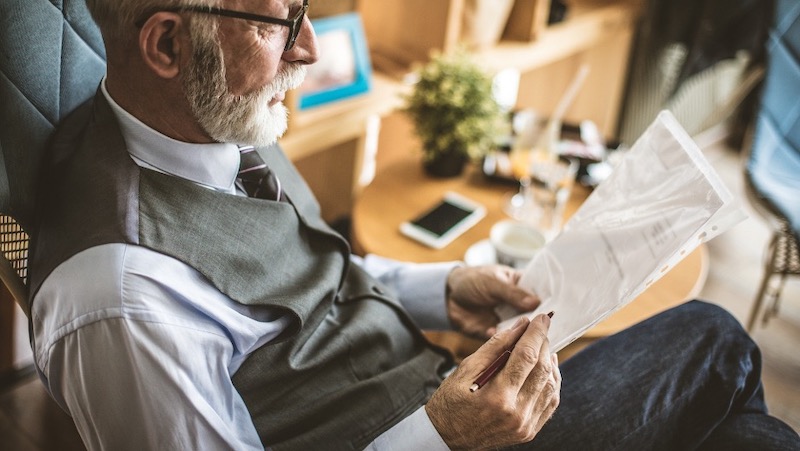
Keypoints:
pixel 402 190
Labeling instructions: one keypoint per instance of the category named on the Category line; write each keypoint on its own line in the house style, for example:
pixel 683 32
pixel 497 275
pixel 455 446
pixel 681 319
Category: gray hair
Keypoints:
pixel 117 18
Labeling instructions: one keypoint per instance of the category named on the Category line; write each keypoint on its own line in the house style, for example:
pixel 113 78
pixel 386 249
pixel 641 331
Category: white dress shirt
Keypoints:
pixel 140 348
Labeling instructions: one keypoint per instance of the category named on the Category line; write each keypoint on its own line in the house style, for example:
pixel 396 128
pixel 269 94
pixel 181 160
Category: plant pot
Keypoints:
pixel 447 164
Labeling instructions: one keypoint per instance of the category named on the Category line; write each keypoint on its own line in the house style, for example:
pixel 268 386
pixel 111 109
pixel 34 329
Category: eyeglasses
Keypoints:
pixel 294 24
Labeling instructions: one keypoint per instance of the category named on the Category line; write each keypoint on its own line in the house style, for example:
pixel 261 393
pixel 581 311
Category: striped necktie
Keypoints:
pixel 257 179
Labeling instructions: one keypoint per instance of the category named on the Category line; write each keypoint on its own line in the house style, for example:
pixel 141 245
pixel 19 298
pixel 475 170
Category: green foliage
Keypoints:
pixel 452 107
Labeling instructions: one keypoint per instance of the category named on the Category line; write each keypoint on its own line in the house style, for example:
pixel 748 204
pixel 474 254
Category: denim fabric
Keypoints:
pixel 688 378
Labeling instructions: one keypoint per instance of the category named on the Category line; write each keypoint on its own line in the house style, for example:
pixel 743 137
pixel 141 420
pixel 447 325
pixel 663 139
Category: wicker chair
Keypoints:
pixel 781 259
pixel 14 262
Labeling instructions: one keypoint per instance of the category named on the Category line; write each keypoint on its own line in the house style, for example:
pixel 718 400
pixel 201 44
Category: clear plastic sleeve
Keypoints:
pixel 662 201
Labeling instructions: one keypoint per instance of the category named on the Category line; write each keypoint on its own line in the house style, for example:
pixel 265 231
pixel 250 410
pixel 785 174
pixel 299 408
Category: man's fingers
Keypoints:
pixel 481 326
pixel 474 321
pixel 551 396
pixel 518 298
pixel 526 354
pixel 556 371
pixel 541 379
pixel 496 345
pixel 504 290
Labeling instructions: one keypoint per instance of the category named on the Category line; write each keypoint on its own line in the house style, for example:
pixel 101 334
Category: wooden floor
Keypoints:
pixel 30 421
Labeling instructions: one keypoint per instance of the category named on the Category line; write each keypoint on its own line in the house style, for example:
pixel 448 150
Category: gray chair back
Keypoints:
pixel 51 60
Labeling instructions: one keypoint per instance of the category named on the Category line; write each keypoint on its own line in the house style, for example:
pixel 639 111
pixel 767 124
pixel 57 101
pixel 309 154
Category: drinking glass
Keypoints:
pixel 544 192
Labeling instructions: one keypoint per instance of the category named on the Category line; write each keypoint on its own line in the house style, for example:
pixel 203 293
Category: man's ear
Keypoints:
pixel 161 40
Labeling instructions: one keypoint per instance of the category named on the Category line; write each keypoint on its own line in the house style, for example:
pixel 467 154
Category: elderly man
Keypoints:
pixel 179 302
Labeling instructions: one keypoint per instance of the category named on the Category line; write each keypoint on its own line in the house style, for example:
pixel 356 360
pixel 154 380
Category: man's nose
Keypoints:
pixel 306 47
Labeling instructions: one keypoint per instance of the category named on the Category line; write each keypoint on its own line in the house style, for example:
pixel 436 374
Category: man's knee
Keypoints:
pixel 707 326
pixel 719 333
pixel 706 315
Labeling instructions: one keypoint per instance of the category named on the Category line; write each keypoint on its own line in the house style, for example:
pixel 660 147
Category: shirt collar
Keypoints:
pixel 214 165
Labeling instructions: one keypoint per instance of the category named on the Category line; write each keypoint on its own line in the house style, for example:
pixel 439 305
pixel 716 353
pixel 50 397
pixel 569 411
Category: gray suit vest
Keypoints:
pixel 352 365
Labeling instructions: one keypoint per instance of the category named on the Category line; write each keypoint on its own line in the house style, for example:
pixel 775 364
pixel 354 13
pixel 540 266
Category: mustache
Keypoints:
pixel 289 77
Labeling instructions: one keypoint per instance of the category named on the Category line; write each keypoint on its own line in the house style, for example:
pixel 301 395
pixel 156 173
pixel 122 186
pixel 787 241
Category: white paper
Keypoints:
pixel 661 202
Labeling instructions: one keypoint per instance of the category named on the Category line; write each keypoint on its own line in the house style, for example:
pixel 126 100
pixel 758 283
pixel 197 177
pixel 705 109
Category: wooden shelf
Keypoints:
pixel 598 36
pixel 324 126
pixel 583 30
pixel 406 31
pixel 321 127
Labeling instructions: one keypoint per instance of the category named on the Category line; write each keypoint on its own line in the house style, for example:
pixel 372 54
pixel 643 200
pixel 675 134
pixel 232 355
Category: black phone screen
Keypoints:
pixel 441 218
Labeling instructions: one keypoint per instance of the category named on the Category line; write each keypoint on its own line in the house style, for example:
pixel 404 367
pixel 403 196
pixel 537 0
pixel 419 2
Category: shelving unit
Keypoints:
pixel 402 33
pixel 600 37
pixel 405 31
pixel 314 130
pixel 581 32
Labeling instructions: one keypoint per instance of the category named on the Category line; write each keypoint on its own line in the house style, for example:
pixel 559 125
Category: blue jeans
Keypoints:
pixel 688 378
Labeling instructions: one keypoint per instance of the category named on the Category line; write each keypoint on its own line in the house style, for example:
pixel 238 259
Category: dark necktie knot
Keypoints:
pixel 257 178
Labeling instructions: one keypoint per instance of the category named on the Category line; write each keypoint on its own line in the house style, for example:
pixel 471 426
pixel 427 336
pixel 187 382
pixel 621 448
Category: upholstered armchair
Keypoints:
pixel 51 60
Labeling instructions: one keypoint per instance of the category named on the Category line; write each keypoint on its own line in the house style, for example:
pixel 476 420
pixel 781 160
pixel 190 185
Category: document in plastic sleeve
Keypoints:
pixel 661 201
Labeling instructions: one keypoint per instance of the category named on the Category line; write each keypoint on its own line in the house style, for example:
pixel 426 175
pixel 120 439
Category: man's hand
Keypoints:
pixel 510 408
pixel 473 292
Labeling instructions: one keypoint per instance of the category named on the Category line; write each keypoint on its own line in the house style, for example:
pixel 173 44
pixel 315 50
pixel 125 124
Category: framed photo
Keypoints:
pixel 344 68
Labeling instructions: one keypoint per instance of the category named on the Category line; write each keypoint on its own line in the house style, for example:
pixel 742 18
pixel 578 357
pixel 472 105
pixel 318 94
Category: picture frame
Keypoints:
pixel 344 69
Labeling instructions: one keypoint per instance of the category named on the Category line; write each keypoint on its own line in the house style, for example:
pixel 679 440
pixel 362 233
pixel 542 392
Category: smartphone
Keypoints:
pixel 445 221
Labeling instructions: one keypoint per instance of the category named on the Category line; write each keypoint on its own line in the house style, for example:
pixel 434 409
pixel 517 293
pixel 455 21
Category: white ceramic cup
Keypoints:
pixel 515 243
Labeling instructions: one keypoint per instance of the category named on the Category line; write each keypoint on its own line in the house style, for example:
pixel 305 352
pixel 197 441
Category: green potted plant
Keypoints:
pixel 454 113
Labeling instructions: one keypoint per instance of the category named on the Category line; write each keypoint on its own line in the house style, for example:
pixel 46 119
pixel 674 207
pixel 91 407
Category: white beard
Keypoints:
pixel 246 119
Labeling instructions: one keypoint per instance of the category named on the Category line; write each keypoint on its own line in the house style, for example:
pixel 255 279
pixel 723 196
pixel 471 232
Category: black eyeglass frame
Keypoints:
pixel 294 24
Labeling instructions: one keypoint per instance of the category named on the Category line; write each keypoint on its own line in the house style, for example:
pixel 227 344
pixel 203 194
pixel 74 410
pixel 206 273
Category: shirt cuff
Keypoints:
pixel 420 287
pixel 415 432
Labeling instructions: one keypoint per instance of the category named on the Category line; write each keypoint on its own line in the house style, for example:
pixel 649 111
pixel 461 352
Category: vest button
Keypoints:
pixel 378 289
